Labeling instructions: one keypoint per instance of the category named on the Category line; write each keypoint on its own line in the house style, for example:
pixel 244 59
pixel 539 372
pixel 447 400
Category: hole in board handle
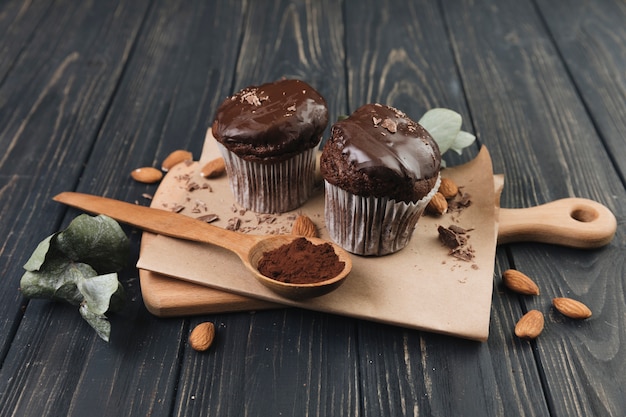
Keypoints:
pixel 584 214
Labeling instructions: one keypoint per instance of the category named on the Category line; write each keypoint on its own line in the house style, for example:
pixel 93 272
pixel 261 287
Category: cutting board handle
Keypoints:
pixel 573 222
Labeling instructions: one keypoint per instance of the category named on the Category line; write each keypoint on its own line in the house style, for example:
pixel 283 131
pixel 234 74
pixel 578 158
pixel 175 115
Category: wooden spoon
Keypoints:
pixel 249 248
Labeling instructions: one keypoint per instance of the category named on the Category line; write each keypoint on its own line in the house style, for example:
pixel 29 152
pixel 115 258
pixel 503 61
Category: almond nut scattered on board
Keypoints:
pixel 437 205
pixel 214 168
pixel 571 308
pixel 530 325
pixel 201 337
pixel 304 226
pixel 147 175
pixel 519 282
pixel 448 188
pixel 176 157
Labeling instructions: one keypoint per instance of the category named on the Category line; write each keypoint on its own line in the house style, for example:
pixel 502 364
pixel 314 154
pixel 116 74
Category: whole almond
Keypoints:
pixel 438 205
pixel 571 308
pixel 304 226
pixel 519 282
pixel 201 337
pixel 214 168
pixel 530 325
pixel 147 175
pixel 448 188
pixel 175 158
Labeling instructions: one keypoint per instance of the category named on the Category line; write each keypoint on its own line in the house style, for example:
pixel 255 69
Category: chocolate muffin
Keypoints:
pixel 380 170
pixel 267 135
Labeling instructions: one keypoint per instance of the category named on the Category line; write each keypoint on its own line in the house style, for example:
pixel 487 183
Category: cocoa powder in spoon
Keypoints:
pixel 301 262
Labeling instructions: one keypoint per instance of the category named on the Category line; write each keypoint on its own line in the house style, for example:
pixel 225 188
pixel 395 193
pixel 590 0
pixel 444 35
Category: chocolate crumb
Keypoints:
pixel 178 208
pixel 193 186
pixel 455 239
pixel 460 202
pixel 233 224
pixel 208 218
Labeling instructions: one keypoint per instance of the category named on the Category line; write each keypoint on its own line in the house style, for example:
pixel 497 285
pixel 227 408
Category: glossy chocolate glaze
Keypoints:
pixel 379 151
pixel 271 122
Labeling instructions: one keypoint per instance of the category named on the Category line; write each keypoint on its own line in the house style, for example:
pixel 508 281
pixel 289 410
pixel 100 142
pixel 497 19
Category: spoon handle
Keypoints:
pixel 161 222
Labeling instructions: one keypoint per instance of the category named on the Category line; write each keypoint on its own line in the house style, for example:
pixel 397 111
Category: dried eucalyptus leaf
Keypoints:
pixel 463 140
pixel 97 241
pixel 56 280
pixel 38 257
pixel 443 125
pixel 78 265
pixel 99 322
pixel 97 291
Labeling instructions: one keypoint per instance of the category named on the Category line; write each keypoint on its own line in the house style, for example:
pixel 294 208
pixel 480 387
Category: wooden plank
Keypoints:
pixel 301 40
pixel 53 100
pixel 180 69
pixel 590 37
pixel 18 21
pixel 406 60
pixel 529 114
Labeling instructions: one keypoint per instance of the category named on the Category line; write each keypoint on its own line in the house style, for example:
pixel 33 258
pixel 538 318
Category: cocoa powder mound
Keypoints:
pixel 301 262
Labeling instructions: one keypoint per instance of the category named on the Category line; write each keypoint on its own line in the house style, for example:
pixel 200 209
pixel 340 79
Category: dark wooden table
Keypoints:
pixel 91 90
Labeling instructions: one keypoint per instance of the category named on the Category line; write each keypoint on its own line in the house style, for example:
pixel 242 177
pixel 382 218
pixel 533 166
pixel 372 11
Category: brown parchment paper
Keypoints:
pixel 420 287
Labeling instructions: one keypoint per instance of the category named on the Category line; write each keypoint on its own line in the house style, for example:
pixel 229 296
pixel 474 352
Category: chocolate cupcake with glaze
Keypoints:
pixel 380 170
pixel 268 135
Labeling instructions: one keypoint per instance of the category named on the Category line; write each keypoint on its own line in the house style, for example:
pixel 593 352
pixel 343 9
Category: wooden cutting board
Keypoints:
pixel 468 284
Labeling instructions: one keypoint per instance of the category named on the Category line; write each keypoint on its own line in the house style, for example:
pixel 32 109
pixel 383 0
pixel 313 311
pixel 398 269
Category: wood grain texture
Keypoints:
pixel 590 37
pixel 395 383
pixel 164 99
pixel 51 104
pixel 533 120
pixel 92 90
pixel 300 39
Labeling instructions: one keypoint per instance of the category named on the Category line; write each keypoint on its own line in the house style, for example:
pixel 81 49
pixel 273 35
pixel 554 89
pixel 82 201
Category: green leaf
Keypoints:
pixel 444 125
pixel 463 140
pixel 56 280
pixel 38 257
pixel 97 291
pixel 78 265
pixel 97 241
pixel 99 322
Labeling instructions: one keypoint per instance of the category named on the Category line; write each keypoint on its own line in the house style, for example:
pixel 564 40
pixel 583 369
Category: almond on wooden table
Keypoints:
pixel 147 175
pixel 175 158
pixel 201 337
pixel 214 168
pixel 571 308
pixel 530 325
pixel 519 282
pixel 304 226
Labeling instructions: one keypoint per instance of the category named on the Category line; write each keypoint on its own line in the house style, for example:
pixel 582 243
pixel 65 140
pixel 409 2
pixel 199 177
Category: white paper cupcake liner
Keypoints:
pixel 270 188
pixel 371 226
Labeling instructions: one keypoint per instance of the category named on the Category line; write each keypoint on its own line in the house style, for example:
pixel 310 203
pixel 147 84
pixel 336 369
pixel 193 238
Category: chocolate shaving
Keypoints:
pixel 208 218
pixel 233 224
pixel 178 208
pixel 455 238
pixel 193 186
pixel 460 202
